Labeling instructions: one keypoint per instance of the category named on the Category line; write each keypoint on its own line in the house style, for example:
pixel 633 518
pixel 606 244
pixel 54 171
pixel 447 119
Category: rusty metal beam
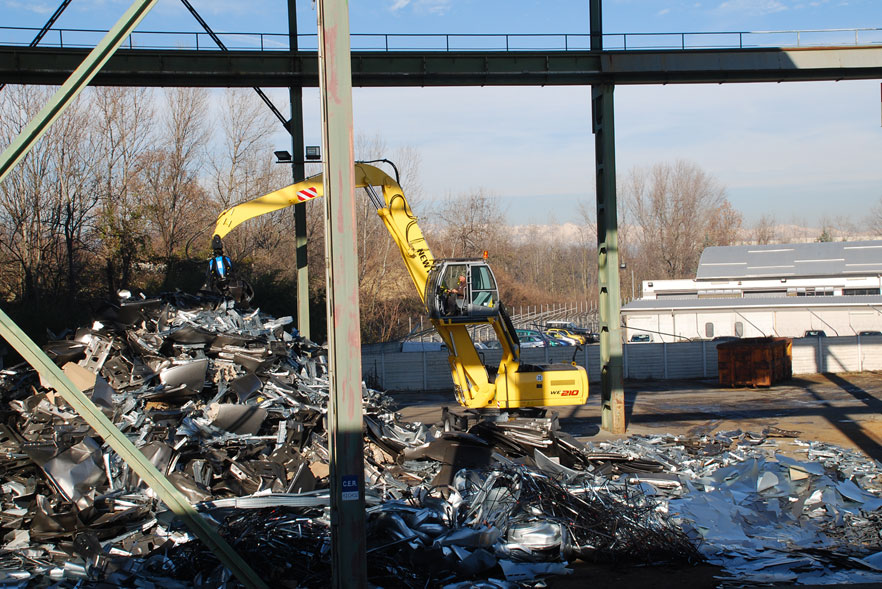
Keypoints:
pixel 345 420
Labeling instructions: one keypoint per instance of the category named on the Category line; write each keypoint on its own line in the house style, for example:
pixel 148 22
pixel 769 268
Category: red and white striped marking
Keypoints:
pixel 307 194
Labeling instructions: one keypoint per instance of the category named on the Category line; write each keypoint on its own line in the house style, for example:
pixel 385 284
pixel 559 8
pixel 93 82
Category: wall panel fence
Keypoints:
pixel 385 368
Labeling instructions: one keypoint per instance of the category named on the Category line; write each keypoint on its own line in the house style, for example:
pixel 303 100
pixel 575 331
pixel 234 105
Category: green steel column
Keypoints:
pixel 72 87
pixel 298 171
pixel 612 408
pixel 344 340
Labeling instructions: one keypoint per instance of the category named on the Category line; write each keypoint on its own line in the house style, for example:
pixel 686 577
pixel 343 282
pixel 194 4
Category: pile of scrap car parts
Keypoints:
pixel 231 406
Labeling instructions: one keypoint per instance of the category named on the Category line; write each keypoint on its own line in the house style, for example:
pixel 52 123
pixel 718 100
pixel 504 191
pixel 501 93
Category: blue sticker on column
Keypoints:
pixel 350 488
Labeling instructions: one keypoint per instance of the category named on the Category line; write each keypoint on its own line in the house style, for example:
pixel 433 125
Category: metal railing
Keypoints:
pixel 444 42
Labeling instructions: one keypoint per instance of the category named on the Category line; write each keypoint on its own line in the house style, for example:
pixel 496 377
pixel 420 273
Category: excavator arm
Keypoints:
pixel 393 210
pixel 513 384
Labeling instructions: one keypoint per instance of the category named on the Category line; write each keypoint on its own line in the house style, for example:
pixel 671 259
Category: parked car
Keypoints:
pixel 869 333
pixel 815 333
pixel 531 341
pixel 561 339
pixel 488 345
pixel 423 347
pixel 639 338
pixel 531 335
pixel 571 327
pixel 580 339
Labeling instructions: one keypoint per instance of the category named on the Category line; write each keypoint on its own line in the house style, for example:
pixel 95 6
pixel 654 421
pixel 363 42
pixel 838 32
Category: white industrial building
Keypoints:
pixel 766 290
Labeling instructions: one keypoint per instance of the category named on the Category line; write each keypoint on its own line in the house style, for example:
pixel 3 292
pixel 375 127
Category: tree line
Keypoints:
pixel 123 192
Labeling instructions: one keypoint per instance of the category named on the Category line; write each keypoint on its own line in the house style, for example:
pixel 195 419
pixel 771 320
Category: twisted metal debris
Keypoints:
pixel 231 405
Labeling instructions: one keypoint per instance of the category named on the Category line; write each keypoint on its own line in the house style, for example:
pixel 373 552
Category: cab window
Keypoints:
pixel 483 287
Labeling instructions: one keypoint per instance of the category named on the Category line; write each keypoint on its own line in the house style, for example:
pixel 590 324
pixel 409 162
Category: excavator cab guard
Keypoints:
pixel 480 299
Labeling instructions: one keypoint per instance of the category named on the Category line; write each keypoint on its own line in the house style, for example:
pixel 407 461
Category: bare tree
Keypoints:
pixel 74 195
pixel 26 240
pixel 46 202
pixel 472 223
pixel 124 119
pixel 680 210
pixel 764 231
pixel 244 169
pixel 874 219
pixel 175 199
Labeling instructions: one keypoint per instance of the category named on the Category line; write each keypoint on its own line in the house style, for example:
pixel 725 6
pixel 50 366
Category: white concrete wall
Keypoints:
pixel 690 324
pixel 429 371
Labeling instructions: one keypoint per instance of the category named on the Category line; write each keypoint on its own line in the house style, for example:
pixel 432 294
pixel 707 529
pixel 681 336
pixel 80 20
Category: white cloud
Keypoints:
pixel 37 7
pixel 810 147
pixel 422 6
pixel 752 7
pixel 778 148
pixel 663 11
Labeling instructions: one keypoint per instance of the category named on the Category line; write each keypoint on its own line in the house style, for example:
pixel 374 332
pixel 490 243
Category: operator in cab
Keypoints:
pixel 460 291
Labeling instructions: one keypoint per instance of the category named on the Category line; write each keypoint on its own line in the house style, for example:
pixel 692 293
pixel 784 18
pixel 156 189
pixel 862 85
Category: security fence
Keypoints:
pixel 385 367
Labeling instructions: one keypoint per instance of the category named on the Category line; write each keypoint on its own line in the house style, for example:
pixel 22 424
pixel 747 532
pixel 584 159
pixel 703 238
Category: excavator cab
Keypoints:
pixel 479 300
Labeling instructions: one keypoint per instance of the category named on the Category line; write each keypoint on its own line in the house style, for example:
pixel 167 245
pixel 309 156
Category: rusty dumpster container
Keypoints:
pixel 755 361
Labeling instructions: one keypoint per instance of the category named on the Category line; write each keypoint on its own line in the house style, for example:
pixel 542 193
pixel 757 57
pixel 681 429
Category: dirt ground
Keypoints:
pixel 843 409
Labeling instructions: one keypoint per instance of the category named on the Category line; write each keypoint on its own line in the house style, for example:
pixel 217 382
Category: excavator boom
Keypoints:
pixel 450 310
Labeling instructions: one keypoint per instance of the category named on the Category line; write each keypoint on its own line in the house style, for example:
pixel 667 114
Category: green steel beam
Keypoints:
pixel 298 171
pixel 166 491
pixel 345 420
pixel 71 88
pixel 612 401
pixel 282 69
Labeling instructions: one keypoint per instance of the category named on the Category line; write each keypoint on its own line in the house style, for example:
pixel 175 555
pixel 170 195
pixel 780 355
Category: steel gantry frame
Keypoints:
pixel 336 69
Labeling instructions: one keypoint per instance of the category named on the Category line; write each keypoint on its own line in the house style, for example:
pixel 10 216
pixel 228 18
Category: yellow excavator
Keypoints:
pixel 451 310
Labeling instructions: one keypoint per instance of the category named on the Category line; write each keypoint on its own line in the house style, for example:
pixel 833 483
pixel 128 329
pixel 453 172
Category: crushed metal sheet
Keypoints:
pixel 232 407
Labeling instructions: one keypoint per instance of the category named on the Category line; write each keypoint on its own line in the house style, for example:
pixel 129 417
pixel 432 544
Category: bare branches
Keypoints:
pixel 764 231
pixel 170 175
pixel 680 210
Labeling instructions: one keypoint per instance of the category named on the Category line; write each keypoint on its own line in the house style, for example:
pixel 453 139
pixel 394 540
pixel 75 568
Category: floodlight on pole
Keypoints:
pixel 283 157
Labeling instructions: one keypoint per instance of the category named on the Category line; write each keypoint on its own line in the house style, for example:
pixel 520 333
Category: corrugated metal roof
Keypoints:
pixel 791 260
pixel 753 303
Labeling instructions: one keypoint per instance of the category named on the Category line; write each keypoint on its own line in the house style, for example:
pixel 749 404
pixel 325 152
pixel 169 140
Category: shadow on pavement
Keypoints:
pixel 839 417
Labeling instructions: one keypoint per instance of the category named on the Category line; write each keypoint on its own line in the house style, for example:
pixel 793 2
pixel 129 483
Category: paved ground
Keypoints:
pixel 844 409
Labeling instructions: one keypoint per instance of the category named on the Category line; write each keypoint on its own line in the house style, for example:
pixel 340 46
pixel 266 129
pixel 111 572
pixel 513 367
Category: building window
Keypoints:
pixel 739 329
pixel 708 330
pixel 860 291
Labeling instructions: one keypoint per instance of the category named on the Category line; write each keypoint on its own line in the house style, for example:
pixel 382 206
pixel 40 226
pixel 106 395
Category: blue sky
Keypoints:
pixel 802 152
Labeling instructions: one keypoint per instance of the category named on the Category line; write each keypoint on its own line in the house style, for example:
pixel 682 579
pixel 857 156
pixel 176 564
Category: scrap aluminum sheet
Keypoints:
pixel 768 518
pixel 231 405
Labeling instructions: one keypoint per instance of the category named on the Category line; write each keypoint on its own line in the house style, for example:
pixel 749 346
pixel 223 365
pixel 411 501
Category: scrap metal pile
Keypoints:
pixel 765 517
pixel 232 407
